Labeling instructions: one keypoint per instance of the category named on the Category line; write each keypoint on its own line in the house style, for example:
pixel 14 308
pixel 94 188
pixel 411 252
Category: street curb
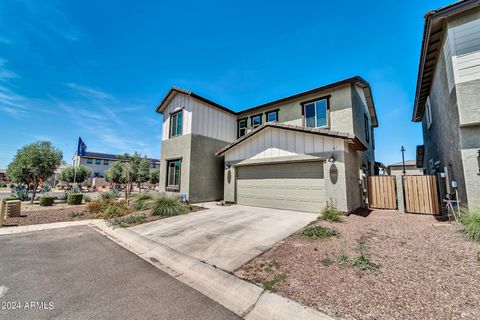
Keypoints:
pixel 45 226
pixel 241 297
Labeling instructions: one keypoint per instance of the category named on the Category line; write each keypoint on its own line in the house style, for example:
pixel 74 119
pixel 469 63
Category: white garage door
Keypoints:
pixel 292 186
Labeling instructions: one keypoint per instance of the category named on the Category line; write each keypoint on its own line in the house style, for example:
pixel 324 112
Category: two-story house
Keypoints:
pixel 447 101
pixel 294 153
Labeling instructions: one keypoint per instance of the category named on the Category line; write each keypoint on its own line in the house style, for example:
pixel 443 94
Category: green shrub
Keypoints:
pixel 129 221
pixel 319 232
pixel 331 213
pixel 21 193
pixel 46 201
pixel 142 201
pixel 471 224
pixel 74 198
pixel 167 206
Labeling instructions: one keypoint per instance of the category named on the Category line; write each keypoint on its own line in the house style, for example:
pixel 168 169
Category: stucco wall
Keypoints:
pixel 176 148
pixel 291 112
pixel 442 139
pixel 206 170
pixel 470 144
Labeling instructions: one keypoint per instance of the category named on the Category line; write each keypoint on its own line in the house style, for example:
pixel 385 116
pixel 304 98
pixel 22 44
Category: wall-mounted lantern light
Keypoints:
pixel 332 158
pixel 227 166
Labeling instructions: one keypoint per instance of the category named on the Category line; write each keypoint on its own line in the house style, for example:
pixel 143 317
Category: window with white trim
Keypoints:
pixel 176 124
pixel 272 116
pixel 242 127
pixel 174 170
pixel 256 120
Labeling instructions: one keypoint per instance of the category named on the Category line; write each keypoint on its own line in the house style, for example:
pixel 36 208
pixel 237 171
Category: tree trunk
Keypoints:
pixel 35 185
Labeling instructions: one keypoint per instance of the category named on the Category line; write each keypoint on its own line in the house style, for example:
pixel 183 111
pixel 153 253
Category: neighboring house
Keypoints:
pixel 294 153
pixel 99 162
pixel 447 99
pixel 396 169
pixel 53 180
pixel 3 174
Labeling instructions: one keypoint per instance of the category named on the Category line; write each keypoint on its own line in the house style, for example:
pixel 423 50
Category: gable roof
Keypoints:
pixel 351 138
pixel 434 29
pixel 357 80
pixel 174 90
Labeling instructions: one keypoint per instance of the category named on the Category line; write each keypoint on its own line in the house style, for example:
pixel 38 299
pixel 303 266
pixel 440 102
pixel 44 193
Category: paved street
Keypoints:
pixel 76 273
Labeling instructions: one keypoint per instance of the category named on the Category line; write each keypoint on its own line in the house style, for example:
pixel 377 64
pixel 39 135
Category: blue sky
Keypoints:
pixel 97 69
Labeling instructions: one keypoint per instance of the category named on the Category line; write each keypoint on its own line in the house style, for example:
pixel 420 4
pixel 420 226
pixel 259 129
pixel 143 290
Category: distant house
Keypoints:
pixel 447 99
pixel 3 174
pixel 396 169
pixel 99 162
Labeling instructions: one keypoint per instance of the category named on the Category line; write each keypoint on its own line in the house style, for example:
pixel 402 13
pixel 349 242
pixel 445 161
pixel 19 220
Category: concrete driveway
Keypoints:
pixel 77 273
pixel 226 237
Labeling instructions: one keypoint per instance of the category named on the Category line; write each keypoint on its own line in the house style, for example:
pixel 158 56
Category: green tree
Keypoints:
pixel 34 163
pixel 68 175
pixel 118 175
pixel 154 177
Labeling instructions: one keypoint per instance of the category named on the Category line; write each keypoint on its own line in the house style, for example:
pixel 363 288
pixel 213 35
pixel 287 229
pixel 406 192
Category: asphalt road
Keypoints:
pixel 76 273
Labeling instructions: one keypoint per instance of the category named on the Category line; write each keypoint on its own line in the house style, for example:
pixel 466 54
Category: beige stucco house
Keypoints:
pixel 410 166
pixel 447 101
pixel 293 153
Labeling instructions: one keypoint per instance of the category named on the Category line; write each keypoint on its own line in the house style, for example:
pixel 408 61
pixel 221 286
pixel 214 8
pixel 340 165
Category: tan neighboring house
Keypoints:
pixel 447 100
pixel 99 162
pixel 396 169
pixel 296 152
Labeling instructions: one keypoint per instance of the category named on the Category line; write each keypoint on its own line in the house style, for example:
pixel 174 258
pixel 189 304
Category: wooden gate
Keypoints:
pixel 382 192
pixel 421 194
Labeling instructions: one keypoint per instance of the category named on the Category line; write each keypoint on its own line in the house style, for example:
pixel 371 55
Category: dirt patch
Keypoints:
pixel 51 214
pixel 426 269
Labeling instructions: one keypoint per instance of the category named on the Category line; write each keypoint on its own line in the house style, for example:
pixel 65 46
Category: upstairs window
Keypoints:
pixel 176 124
pixel 428 113
pixel 105 162
pixel 98 161
pixel 272 116
pixel 89 161
pixel 174 169
pixel 242 127
pixel 367 127
pixel 316 113
pixel 256 120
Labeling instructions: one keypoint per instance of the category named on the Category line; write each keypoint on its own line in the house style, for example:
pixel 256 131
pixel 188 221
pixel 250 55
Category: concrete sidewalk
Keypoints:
pixel 241 297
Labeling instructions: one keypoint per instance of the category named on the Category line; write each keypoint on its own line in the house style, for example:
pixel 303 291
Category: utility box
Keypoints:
pixel 13 208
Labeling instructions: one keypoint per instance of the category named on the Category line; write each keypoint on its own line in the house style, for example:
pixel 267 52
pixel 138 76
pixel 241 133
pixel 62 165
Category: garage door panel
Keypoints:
pixel 294 186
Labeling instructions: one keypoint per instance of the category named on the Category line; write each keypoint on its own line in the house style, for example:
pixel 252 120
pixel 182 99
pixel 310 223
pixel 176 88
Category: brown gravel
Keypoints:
pixel 58 213
pixel 428 270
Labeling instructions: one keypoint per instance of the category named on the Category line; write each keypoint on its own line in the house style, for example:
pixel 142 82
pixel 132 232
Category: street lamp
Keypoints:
pixel 403 159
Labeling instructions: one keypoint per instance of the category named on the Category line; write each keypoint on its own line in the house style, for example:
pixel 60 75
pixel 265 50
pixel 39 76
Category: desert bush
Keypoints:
pixel 87 198
pixel 46 187
pixel 470 224
pixel 109 195
pixel 74 198
pixel 3 184
pixel 20 192
pixel 331 213
pixel 319 232
pixel 129 221
pixel 142 201
pixel 167 206
pixel 46 201
pixel 107 208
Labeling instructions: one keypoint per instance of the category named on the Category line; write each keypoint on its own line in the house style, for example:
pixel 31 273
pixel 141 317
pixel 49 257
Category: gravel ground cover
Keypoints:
pixel 384 265
pixel 57 213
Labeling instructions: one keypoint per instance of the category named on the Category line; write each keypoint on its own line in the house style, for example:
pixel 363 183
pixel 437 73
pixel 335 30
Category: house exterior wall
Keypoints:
pixel 290 112
pixel 206 169
pixel 453 139
pixel 409 171
pixel 96 168
pixel 172 149
pixel 201 119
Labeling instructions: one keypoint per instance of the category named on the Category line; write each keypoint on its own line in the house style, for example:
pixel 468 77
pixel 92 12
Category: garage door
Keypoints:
pixel 292 186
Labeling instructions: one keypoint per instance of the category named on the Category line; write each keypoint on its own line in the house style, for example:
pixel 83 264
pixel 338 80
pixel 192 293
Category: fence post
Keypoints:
pixel 400 200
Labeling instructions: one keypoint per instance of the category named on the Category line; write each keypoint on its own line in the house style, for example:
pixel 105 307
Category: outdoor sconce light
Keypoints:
pixel 332 158
pixel 227 166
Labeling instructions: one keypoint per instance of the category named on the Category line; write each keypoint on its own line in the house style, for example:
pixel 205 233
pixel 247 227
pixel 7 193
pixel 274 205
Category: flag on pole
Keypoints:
pixel 82 148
